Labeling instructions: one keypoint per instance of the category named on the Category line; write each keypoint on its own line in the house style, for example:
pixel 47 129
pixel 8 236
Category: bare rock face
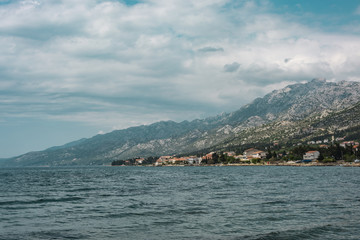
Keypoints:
pixel 297 101
pixel 278 112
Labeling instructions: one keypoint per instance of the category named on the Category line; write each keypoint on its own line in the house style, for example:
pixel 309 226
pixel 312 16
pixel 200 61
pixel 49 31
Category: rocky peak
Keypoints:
pixel 299 100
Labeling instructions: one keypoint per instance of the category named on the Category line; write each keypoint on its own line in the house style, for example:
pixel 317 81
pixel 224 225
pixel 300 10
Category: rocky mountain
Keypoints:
pixel 297 101
pixel 343 123
pixel 290 114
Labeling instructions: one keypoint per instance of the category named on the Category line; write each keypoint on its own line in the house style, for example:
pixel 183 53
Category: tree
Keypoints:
pixel 269 154
pixel 349 158
pixel 215 158
pixel 255 160
pixel 338 152
pixel 118 163
pixel 291 157
pixel 231 159
pixel 321 157
pixel 299 151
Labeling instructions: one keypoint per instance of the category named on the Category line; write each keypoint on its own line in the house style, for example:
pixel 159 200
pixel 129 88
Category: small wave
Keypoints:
pixel 39 201
pixel 127 214
pixel 195 212
pixel 275 202
pixel 82 190
pixel 169 222
pixel 57 234
pixel 106 195
pixel 305 233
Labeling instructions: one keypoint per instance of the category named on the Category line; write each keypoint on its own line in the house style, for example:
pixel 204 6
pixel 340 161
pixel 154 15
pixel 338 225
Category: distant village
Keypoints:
pixel 314 152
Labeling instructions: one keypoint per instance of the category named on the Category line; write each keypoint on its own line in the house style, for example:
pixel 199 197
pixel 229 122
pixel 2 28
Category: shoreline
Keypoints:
pixel 336 164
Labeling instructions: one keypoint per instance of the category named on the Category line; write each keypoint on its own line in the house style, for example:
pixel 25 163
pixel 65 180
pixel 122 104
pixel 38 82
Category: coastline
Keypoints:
pixel 315 164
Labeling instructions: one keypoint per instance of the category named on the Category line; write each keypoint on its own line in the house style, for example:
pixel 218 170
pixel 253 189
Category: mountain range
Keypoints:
pixel 294 114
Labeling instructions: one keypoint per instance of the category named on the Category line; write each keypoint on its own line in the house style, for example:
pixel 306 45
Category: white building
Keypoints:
pixel 194 160
pixel 311 155
pixel 254 153
pixel 242 158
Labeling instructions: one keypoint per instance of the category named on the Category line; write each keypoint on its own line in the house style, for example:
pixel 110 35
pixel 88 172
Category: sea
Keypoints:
pixel 217 202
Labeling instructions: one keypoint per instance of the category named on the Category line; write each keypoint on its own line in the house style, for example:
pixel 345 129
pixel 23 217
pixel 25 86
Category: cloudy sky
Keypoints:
pixel 72 69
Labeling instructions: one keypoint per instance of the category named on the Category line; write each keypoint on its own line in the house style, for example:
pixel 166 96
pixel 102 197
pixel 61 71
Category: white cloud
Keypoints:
pixel 158 59
pixel 357 11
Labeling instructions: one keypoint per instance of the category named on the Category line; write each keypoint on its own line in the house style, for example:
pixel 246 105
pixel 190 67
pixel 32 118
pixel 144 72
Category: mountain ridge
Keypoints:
pixel 289 105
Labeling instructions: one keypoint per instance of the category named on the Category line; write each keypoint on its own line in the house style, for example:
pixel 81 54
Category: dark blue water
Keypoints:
pixel 180 203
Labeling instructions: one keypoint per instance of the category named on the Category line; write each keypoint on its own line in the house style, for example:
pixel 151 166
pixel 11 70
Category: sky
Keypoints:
pixel 74 69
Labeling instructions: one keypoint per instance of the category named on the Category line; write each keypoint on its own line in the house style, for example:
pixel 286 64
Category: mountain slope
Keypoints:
pixel 318 126
pixel 285 110
pixel 297 101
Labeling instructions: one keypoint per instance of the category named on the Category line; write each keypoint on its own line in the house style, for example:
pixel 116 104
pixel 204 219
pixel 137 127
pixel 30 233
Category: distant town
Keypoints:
pixel 320 152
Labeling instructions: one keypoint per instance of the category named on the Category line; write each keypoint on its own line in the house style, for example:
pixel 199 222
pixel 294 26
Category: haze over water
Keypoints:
pixel 180 203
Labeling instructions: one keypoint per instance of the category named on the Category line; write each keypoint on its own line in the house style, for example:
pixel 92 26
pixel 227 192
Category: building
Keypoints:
pixel 348 143
pixel 163 160
pixel 180 160
pixel 209 156
pixel 230 154
pixel 250 151
pixel 242 158
pixel 139 161
pixel 311 155
pixel 356 149
pixel 254 153
pixel 158 162
pixel 340 139
pixel 193 160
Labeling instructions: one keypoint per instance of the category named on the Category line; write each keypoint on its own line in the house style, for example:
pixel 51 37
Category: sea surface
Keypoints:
pixel 180 203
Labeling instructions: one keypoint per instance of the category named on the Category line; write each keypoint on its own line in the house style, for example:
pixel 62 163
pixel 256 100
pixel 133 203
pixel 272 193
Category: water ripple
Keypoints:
pixel 179 203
